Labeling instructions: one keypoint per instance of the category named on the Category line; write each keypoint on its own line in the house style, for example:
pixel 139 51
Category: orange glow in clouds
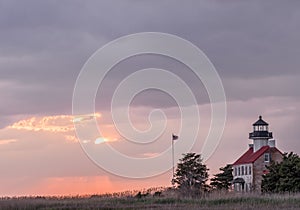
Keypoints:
pixel 60 124
pixel 56 123
pixel 72 186
pixel 60 129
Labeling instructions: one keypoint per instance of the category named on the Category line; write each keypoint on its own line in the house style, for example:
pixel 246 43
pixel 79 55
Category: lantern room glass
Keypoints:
pixel 260 128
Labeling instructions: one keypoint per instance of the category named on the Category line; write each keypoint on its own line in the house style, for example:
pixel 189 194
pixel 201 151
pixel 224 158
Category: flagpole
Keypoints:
pixel 174 137
pixel 173 156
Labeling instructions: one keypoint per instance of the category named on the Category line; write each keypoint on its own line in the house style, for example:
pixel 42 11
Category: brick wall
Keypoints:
pixel 259 168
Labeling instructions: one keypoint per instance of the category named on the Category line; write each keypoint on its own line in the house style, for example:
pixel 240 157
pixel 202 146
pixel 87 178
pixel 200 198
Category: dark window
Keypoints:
pixel 242 170
pixel 250 170
pixel 246 170
pixel 267 157
pixel 239 171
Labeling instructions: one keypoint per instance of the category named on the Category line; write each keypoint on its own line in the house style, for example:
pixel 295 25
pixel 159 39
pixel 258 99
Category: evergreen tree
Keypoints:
pixel 191 175
pixel 283 176
pixel 223 180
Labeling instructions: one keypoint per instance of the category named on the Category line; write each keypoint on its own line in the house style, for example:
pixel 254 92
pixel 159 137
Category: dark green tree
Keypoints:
pixel 191 175
pixel 283 176
pixel 223 180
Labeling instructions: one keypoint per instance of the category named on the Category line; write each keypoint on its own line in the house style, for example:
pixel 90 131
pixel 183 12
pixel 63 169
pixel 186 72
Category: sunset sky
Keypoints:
pixel 254 46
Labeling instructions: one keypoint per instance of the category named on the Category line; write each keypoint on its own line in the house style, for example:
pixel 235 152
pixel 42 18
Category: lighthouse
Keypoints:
pixel 261 135
pixel 252 165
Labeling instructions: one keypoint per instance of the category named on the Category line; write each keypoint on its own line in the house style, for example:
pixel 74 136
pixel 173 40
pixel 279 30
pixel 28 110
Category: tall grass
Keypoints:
pixel 170 200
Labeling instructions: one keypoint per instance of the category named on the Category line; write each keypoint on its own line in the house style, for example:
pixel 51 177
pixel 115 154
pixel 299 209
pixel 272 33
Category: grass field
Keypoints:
pixel 212 201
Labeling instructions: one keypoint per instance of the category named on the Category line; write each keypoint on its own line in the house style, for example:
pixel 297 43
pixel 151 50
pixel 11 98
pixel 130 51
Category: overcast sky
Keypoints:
pixel 254 46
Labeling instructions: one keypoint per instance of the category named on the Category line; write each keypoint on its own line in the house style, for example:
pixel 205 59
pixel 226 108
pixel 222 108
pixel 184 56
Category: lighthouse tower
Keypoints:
pixel 261 134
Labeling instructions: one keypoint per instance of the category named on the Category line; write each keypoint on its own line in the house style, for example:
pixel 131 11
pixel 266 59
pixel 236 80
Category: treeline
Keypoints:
pixel 283 176
pixel 191 176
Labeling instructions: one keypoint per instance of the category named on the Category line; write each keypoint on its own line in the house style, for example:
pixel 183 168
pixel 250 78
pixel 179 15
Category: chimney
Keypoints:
pixel 272 143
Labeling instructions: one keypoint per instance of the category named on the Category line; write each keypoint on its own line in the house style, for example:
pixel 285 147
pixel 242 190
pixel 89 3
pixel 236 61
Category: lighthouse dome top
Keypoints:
pixel 260 121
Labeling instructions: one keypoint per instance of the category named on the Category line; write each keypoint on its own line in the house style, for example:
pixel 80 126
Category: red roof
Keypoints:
pixel 249 156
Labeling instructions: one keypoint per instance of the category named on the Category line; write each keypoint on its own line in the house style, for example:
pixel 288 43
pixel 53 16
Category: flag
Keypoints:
pixel 174 137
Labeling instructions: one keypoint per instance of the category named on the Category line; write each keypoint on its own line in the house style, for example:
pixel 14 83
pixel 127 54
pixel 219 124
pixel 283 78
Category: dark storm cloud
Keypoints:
pixel 43 44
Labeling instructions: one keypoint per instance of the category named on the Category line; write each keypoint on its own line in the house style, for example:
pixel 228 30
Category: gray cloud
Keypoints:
pixel 43 46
